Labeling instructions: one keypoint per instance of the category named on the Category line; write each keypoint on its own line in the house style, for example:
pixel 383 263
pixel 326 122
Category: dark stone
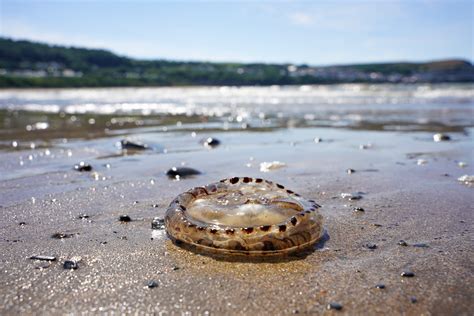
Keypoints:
pixel 22 223
pixel 83 216
pixel 335 306
pixel 421 245
pixel 370 246
pixel 413 299
pixel 181 172
pixel 355 198
pixel 125 218
pixel 155 205
pixel 126 144
pixel 407 274
pixel 380 286
pixel 61 235
pixel 210 142
pixel 350 171
pixel 43 258
pixel 358 209
pixel 70 265
pixel 152 284
pixel 82 166
pixel 402 243
pixel 441 137
pixel 158 223
pixel 175 268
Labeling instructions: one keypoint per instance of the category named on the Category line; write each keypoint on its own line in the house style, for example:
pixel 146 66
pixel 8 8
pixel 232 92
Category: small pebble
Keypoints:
pixel 125 218
pixel 126 144
pixel 83 216
pixel 61 235
pixel 70 265
pixel 43 258
pixel 175 268
pixel 421 162
pixel 402 243
pixel 210 142
pixel 413 299
pixel 351 196
pixel 350 171
pixel 155 205
pixel 22 223
pixel 441 137
pixel 335 306
pixel 82 166
pixel 421 245
pixel 318 140
pixel 358 209
pixel 181 172
pixel 152 284
pixel 407 274
pixel 380 286
pixel 158 223
pixel 370 246
pixel 466 179
pixel 268 166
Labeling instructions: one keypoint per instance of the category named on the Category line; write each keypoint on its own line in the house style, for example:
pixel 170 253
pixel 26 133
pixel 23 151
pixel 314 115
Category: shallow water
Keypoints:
pixel 50 130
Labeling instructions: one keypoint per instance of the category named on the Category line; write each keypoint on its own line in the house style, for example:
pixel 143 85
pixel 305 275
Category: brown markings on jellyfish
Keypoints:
pixel 268 246
pixel 293 221
pixel 223 221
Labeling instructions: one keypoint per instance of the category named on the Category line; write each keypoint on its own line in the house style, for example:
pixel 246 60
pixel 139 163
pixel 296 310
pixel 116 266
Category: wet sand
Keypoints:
pixel 408 184
pixel 424 205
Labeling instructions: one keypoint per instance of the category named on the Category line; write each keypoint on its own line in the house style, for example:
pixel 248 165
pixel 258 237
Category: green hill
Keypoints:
pixel 30 64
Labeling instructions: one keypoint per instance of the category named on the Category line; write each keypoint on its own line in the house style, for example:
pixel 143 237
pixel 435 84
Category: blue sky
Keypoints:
pixel 312 32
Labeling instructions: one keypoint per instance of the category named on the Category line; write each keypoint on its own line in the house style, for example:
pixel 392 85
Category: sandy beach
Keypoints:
pixel 408 186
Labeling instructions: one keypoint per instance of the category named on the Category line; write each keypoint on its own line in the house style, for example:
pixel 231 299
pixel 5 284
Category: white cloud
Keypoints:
pixel 301 18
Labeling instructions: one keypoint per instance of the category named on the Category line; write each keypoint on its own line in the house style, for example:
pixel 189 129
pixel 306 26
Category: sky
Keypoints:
pixel 299 32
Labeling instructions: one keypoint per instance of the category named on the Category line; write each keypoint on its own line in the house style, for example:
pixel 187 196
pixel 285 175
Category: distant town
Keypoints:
pixel 30 64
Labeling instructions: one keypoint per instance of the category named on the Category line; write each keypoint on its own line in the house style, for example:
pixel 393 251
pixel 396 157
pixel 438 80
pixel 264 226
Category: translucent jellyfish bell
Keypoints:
pixel 243 216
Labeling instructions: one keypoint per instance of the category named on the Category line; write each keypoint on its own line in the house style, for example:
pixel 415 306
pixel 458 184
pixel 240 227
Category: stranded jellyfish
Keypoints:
pixel 243 216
